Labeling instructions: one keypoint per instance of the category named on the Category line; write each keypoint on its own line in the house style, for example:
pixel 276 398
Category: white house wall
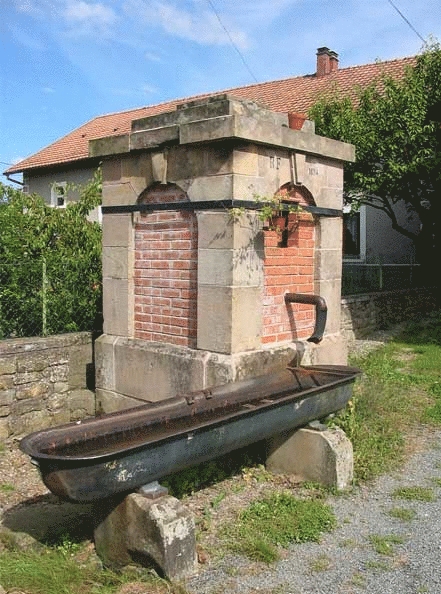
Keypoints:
pixel 41 184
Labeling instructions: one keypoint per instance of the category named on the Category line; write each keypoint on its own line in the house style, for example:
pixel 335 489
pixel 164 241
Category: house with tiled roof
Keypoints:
pixel 49 171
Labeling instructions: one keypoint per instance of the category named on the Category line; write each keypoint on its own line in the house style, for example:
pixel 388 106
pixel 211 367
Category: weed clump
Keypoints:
pixel 278 521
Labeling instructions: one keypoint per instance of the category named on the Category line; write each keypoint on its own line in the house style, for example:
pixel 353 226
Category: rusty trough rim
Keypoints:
pixel 190 413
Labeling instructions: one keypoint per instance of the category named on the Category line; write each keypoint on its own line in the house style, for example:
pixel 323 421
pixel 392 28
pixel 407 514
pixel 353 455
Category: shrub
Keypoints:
pixel 50 264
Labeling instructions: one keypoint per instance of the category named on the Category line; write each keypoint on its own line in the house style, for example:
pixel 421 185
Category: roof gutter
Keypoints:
pixel 15 181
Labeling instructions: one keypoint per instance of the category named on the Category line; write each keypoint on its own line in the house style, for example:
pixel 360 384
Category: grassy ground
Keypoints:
pixel 399 392
pixel 70 568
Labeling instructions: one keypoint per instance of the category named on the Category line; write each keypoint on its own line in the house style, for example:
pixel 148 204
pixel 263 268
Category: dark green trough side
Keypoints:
pixel 120 452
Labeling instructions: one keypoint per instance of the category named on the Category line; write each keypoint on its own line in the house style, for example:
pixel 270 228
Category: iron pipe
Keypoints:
pixel 321 312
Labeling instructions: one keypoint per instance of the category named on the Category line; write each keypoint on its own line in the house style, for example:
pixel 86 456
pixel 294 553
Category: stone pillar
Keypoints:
pixel 230 279
pixel 160 529
pixel 323 456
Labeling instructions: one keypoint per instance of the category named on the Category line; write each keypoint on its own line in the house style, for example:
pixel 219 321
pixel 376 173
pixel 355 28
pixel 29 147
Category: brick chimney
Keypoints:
pixel 327 61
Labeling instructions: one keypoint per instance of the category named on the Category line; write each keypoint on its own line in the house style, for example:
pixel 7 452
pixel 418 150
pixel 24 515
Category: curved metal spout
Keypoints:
pixel 321 311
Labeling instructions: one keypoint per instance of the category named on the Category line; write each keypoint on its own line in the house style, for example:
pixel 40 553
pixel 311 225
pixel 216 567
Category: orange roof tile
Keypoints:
pixel 295 94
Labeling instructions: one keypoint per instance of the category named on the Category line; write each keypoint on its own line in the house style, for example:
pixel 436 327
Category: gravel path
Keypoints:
pixel 345 561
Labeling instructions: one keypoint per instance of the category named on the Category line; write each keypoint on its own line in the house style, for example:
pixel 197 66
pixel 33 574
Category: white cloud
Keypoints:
pixel 79 16
pixel 135 91
pixel 15 160
pixel 85 18
pixel 25 6
pixel 149 89
pixel 26 38
pixel 151 57
pixel 195 24
pixel 38 8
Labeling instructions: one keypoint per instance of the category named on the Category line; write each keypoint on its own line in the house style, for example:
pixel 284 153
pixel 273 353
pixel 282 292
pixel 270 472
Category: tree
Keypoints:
pixel 395 126
pixel 50 263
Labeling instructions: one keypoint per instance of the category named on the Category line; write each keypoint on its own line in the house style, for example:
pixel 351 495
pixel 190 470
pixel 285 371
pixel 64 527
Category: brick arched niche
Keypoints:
pixel 289 268
pixel 165 269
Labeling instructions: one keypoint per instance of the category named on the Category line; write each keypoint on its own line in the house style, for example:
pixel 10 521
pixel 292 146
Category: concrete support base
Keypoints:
pixel 126 367
pixel 324 457
pixel 159 529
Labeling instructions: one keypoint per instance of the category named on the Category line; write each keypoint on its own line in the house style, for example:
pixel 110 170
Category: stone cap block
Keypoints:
pixel 267 132
pixel 154 137
pixel 318 145
pixel 110 145
pixel 207 108
pixel 221 117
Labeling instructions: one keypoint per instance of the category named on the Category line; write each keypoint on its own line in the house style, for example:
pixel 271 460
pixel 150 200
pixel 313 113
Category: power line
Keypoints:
pixel 231 40
pixel 406 20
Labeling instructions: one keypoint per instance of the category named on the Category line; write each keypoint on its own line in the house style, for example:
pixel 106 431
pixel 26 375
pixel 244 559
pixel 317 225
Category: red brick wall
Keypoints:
pixel 289 269
pixel 165 272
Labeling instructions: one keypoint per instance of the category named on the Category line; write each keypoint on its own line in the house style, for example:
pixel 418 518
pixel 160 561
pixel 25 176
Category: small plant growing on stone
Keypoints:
pixel 274 212
pixel 320 563
pixel 6 488
pixel 276 206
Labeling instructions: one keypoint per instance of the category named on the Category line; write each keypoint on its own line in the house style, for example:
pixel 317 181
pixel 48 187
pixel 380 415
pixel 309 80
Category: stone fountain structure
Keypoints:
pixel 193 279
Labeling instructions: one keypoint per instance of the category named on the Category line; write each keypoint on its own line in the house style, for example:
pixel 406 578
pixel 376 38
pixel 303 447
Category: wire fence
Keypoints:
pixel 41 298
pixel 366 278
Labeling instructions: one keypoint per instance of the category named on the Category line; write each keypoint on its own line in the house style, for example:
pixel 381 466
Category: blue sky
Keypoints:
pixel 65 61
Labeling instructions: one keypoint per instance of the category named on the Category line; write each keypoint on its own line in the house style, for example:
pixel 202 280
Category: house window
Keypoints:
pixel 59 194
pixel 354 234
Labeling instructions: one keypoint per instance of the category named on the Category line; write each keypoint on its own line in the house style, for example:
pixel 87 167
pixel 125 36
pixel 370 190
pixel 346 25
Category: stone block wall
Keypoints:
pixel 45 382
pixel 363 314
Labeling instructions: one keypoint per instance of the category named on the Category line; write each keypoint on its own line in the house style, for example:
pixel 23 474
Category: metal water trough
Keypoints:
pixel 120 452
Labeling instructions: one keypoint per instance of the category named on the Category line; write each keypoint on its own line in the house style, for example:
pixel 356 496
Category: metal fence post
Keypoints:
pixel 44 298
pixel 380 274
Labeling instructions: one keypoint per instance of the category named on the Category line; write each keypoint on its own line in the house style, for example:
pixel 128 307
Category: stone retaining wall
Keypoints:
pixel 44 382
pixel 363 314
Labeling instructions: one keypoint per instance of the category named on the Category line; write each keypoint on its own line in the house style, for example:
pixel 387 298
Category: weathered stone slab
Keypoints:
pixel 154 371
pixel 33 390
pixel 4 411
pixel 4 428
pixel 161 529
pixel 111 145
pixel 81 404
pixel 6 397
pixel 6 382
pixel 325 456
pixel 7 366
pixel 154 137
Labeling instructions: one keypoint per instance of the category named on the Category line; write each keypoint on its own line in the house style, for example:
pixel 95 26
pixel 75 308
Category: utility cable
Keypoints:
pixel 231 40
pixel 407 21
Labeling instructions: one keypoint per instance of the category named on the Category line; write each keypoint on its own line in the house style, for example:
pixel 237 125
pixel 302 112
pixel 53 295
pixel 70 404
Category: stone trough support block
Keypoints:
pixel 324 457
pixel 161 529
